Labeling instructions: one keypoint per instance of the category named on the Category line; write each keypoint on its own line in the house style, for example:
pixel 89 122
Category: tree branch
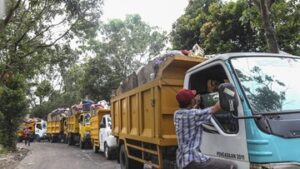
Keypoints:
pixel 30 25
pixel 10 15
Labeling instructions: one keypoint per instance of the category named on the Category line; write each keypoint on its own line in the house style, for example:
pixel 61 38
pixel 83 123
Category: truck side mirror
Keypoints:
pixel 228 97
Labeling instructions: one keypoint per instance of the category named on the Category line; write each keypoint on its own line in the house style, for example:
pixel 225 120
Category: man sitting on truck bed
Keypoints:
pixel 188 122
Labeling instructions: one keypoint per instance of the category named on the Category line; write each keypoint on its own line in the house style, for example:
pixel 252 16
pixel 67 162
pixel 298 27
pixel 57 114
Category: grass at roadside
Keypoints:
pixel 10 159
pixel 2 150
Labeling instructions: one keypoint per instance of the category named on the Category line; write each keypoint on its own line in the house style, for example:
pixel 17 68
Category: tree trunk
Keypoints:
pixel 270 35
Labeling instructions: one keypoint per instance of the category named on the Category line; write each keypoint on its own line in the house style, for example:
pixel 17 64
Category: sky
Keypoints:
pixel 161 13
pixel 1 8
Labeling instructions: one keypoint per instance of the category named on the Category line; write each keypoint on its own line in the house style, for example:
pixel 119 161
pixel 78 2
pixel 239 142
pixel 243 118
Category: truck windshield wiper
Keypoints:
pixel 260 115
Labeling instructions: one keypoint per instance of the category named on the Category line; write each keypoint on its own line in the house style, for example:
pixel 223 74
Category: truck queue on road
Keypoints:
pixel 138 128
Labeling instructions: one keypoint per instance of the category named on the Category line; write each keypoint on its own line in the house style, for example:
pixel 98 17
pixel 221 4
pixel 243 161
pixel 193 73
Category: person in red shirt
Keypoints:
pixel 27 136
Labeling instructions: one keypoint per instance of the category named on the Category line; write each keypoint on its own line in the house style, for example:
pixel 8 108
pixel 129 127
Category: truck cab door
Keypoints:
pixel 102 131
pixel 225 136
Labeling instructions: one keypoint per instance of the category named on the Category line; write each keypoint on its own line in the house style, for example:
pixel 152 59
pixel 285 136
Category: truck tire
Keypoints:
pixel 51 139
pixel 70 140
pixel 81 144
pixel 126 162
pixel 37 138
pixel 107 152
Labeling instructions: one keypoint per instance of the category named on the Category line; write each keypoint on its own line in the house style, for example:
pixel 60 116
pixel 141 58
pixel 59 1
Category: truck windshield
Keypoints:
pixel 271 84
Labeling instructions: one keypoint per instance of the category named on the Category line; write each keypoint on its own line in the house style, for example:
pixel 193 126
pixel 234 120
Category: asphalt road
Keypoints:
pixel 46 155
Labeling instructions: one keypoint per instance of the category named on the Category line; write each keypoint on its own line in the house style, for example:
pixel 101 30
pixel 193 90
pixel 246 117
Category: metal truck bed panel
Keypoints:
pixel 73 124
pixel 54 127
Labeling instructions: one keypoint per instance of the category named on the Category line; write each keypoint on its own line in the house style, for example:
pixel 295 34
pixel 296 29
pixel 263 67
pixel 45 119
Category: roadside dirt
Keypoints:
pixel 12 159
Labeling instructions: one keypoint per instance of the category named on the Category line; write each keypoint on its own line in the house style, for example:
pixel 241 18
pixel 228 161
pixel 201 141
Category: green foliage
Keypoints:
pixel 129 43
pixel 99 79
pixel 43 90
pixel 69 95
pixel 235 26
pixel 13 107
pixel 186 29
pixel 286 16
pixel 125 46
pixel 30 44
pixel 224 31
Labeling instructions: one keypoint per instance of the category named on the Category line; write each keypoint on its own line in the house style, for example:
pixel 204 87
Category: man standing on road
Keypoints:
pixel 27 136
pixel 188 123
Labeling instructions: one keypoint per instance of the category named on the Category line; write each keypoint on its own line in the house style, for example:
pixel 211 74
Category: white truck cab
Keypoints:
pixel 40 129
pixel 108 143
pixel 264 131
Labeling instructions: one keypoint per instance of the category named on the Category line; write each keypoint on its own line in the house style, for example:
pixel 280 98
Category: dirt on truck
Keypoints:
pixel 142 112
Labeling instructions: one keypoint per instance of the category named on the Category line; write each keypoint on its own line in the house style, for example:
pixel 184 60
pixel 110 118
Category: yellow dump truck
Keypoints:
pixel 72 125
pixel 84 130
pixel 142 118
pixel 27 123
pixel 101 135
pixel 55 125
pixel 77 125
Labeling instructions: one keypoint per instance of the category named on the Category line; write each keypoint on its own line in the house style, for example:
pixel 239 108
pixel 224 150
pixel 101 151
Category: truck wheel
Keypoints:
pixel 81 144
pixel 38 138
pixel 69 140
pixel 51 139
pixel 95 148
pixel 107 152
pixel 127 163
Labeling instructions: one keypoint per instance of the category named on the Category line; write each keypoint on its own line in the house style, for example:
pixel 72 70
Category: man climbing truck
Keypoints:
pixel 263 132
pixel 102 138
pixel 143 115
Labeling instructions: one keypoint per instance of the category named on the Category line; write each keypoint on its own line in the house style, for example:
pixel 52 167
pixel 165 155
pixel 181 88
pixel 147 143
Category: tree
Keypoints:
pixel 43 90
pixel 13 107
pixel 33 36
pixel 185 33
pixel 264 7
pixel 285 15
pixel 225 30
pixel 69 94
pixel 99 78
pixel 128 44
pixel 125 46
pixel 236 26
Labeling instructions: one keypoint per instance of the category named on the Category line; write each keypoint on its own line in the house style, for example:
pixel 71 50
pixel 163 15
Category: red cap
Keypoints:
pixel 185 96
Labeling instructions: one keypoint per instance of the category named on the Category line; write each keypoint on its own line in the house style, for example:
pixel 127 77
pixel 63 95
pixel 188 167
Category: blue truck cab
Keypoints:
pixel 264 132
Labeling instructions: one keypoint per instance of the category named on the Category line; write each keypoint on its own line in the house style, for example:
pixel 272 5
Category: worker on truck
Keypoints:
pixel 188 122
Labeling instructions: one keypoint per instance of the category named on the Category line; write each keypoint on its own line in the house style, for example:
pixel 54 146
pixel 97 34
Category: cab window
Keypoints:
pixel 103 123
pixel 206 83
pixel 39 126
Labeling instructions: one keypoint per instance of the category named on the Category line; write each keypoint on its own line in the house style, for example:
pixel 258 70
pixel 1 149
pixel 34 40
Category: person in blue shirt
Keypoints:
pixel 188 122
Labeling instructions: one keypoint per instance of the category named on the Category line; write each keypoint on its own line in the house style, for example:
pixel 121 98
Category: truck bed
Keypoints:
pixel 146 112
